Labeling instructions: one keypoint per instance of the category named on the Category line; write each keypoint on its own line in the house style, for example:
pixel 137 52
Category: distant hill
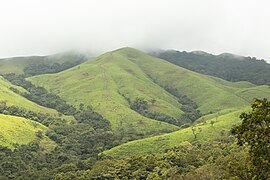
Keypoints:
pixel 35 65
pixel 226 66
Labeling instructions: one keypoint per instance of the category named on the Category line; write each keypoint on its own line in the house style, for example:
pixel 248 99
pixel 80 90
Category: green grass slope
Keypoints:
pixel 210 95
pixel 167 141
pixel 12 98
pixel 103 82
pixel 224 99
pixel 16 130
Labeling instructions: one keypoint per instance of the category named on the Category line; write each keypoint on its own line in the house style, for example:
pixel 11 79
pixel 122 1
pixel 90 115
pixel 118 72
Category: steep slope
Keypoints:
pixel 18 64
pixel 17 131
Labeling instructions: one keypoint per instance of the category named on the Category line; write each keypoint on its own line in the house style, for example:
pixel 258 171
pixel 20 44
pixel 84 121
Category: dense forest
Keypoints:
pixel 226 66
pixel 46 67
pixel 78 144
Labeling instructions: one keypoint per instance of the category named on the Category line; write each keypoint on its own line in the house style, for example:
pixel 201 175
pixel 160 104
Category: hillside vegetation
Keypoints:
pixel 131 116
pixel 108 83
pixel 34 65
pixel 9 97
pixel 111 82
pixel 226 66
pixel 205 132
pixel 17 131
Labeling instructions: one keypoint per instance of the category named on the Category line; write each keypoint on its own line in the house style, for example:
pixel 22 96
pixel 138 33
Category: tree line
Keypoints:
pixel 228 67
pixel 46 67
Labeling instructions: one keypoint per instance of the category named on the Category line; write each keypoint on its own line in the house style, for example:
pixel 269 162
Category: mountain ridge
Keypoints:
pixel 115 79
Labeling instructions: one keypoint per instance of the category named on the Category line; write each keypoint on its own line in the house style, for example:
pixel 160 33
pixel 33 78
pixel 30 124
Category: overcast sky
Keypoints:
pixel 39 27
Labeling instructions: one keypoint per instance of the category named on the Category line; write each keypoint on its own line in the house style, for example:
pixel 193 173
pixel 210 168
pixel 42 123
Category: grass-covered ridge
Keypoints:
pixel 105 83
pixel 17 131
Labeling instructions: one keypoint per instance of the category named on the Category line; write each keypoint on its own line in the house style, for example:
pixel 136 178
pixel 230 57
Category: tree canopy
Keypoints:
pixel 226 66
pixel 255 132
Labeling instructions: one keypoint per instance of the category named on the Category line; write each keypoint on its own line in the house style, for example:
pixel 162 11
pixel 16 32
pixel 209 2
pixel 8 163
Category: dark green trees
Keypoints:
pixel 255 132
pixel 229 67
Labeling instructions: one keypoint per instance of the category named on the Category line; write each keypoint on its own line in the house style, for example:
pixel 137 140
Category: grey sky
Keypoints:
pixel 38 27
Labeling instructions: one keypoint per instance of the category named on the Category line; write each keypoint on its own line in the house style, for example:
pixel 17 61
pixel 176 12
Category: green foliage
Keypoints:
pixel 44 67
pixel 15 131
pixel 103 82
pixel 40 95
pixel 189 107
pixel 133 91
pixel 77 144
pixel 141 106
pixel 170 140
pixel 187 161
pixel 225 66
pixel 110 79
pixel 10 94
pixel 255 132
pixel 17 111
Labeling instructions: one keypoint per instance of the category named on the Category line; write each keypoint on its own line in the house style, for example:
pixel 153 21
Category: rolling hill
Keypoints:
pixel 105 83
pixel 128 104
pixel 109 82
pixel 17 131
pixel 206 132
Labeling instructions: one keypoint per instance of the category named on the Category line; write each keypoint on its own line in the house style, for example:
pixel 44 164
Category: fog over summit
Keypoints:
pixel 36 27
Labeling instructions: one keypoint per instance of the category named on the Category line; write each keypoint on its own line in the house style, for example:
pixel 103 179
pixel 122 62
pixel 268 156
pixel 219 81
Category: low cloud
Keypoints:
pixel 37 27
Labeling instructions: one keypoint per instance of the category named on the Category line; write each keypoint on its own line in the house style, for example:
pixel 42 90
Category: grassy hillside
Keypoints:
pixel 107 81
pixel 17 130
pixel 12 98
pixel 17 64
pixel 210 95
pixel 222 98
pixel 161 143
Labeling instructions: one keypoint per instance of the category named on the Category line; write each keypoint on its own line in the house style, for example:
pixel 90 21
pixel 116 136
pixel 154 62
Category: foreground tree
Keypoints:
pixel 255 132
